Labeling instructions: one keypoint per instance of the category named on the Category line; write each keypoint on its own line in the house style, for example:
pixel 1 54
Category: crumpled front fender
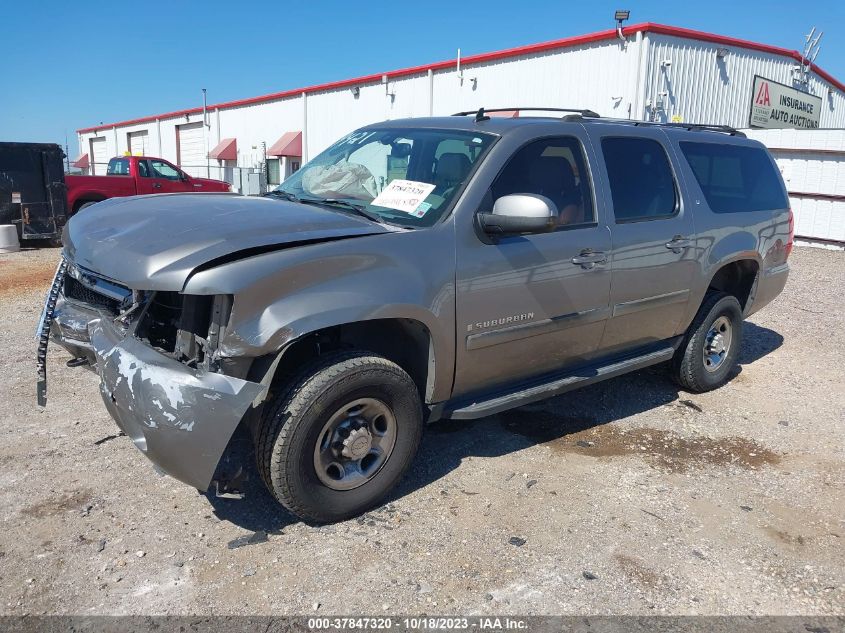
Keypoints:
pixel 180 418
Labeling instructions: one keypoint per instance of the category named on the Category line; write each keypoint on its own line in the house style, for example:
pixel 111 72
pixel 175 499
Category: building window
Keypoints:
pixel 273 171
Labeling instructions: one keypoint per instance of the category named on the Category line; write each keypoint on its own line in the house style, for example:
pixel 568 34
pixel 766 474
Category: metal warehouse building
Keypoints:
pixel 646 72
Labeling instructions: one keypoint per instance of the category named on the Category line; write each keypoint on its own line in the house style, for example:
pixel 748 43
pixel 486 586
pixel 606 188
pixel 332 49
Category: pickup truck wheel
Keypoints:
pixel 711 346
pixel 340 437
pixel 86 204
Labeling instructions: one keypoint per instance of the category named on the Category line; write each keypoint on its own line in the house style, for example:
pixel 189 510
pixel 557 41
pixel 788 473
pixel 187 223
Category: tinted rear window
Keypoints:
pixel 118 167
pixel 641 182
pixel 734 178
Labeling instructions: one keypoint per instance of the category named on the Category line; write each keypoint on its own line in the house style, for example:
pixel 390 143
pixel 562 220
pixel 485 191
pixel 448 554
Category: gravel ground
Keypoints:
pixel 629 497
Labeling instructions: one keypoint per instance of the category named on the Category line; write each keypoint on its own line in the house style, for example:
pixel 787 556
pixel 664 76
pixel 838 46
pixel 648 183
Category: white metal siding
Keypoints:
pixel 139 143
pixel 596 76
pixel 192 153
pixel 99 155
pixel 813 166
pixel 705 89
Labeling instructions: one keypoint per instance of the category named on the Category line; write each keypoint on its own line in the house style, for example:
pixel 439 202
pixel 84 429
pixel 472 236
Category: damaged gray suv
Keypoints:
pixel 417 269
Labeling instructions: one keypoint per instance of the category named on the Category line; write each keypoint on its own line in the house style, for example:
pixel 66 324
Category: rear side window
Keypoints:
pixel 118 167
pixel 641 182
pixel 734 178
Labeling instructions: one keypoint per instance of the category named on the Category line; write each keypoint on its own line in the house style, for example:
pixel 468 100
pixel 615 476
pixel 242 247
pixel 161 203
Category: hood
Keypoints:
pixel 211 184
pixel 155 242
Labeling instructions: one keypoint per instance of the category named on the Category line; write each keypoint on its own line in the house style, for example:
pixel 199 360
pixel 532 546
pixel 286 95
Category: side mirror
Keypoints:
pixel 184 177
pixel 520 213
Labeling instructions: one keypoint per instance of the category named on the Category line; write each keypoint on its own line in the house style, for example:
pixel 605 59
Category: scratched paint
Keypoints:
pixel 181 418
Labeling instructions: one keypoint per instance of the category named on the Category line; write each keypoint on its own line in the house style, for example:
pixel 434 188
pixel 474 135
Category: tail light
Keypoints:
pixel 791 239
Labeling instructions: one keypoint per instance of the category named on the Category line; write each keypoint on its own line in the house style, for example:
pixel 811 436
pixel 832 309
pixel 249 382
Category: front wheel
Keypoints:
pixel 340 437
pixel 711 346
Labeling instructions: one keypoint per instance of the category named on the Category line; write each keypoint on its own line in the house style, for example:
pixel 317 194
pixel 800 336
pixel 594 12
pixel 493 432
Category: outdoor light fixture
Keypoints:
pixel 356 91
pixel 387 92
pixel 620 16
pixel 721 53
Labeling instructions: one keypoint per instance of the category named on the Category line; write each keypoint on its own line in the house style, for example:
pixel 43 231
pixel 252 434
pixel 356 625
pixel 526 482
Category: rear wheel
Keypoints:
pixel 86 204
pixel 340 437
pixel 711 346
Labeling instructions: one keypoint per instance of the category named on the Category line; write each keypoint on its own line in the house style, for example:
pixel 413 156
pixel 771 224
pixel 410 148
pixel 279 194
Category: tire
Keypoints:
pixel 85 205
pixel 696 370
pixel 294 428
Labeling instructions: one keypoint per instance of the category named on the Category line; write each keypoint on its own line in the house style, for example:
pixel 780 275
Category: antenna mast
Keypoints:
pixel 808 56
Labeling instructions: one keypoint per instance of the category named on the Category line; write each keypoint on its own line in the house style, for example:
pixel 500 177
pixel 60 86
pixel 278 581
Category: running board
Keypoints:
pixel 558 385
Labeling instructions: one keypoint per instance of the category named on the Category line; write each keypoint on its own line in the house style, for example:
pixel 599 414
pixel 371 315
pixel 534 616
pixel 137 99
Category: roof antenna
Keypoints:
pixel 808 56
pixel 480 116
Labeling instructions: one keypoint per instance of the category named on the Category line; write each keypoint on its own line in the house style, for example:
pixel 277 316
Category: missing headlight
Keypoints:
pixel 187 326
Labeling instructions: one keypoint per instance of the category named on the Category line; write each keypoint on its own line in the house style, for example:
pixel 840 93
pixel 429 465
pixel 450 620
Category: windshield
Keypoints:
pixel 402 176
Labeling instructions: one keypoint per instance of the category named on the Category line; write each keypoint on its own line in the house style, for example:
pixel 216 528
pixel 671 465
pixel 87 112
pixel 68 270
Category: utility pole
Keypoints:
pixel 205 128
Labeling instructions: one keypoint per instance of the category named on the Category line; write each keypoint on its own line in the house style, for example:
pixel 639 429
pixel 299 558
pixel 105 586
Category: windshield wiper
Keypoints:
pixel 343 204
pixel 332 202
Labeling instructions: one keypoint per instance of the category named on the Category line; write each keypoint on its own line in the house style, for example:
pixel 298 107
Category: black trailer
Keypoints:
pixel 33 196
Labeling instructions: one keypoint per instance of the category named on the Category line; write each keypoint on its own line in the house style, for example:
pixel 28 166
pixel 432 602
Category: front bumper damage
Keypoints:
pixel 180 417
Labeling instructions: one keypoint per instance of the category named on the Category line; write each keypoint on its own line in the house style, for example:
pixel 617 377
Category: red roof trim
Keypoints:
pixel 567 42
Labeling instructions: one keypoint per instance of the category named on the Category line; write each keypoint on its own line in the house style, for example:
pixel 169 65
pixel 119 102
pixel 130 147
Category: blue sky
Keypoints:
pixel 75 64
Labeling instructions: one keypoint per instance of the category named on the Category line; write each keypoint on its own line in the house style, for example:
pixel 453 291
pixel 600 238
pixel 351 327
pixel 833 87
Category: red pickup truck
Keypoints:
pixel 133 176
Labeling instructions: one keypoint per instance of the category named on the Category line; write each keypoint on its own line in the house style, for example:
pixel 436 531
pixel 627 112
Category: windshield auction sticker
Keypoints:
pixel 405 195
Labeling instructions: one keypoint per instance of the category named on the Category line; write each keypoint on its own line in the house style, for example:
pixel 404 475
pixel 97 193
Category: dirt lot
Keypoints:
pixel 626 497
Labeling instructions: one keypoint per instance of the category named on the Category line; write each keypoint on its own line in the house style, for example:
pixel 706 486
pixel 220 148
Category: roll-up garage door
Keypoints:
pixel 190 148
pixel 138 143
pixel 99 155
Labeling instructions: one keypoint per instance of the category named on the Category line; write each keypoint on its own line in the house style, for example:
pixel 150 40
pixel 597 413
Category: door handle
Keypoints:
pixel 678 243
pixel 156 185
pixel 588 258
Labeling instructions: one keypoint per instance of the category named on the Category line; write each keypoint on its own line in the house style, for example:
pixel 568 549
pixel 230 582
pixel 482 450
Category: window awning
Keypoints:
pixel 227 149
pixel 289 145
pixel 82 162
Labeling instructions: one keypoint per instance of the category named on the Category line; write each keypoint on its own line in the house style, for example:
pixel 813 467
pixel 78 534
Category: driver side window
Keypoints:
pixel 554 168
pixel 164 170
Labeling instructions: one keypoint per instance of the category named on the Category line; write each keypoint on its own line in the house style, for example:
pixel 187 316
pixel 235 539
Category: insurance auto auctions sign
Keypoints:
pixel 775 105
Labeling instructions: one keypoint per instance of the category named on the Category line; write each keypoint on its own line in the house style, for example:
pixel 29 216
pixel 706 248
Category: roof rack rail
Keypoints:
pixel 707 127
pixel 481 113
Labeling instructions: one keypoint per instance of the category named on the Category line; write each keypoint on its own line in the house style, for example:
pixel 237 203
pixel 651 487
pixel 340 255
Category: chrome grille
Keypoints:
pixel 78 292
pixel 86 287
